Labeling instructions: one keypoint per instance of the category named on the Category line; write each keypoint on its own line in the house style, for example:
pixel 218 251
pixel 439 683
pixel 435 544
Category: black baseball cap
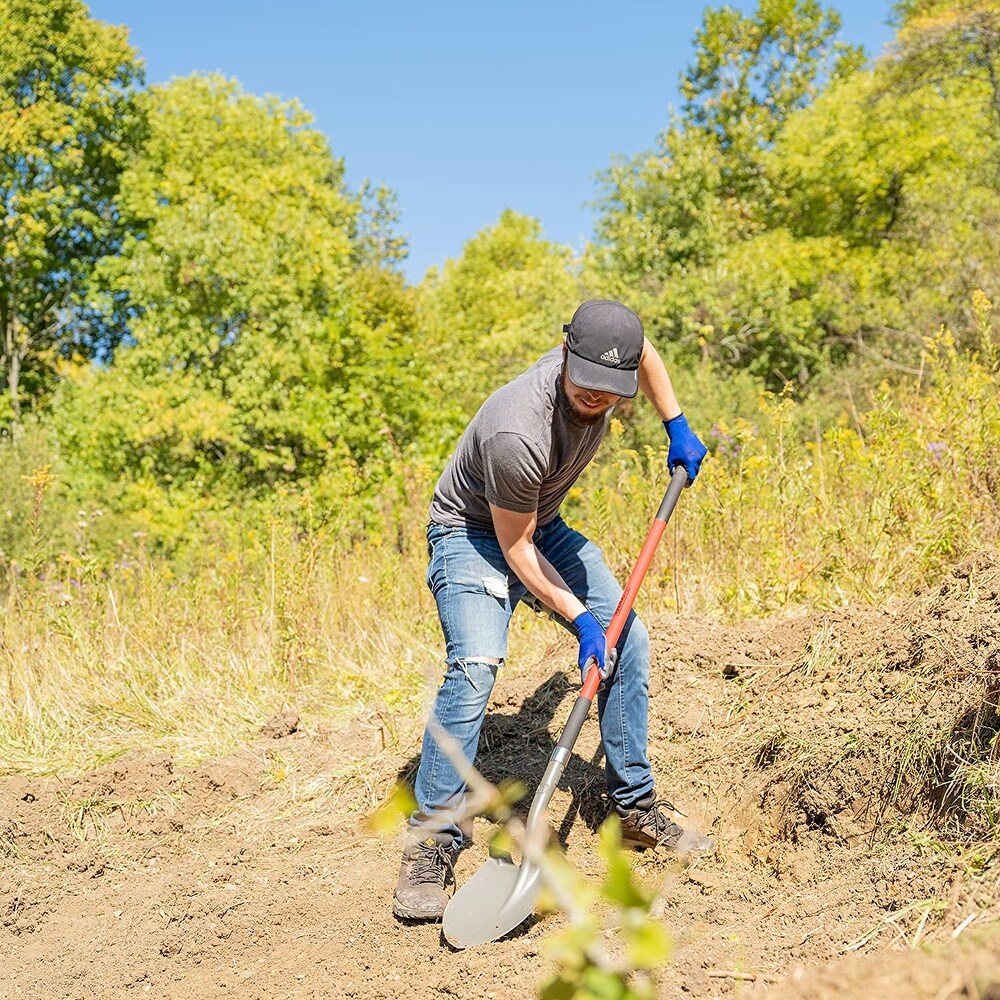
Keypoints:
pixel 604 340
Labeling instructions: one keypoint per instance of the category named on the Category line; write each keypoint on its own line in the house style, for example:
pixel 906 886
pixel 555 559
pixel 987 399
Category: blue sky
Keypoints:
pixel 463 109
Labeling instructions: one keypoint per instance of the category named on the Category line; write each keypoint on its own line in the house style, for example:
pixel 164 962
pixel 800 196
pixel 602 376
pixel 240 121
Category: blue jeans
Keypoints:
pixel 476 593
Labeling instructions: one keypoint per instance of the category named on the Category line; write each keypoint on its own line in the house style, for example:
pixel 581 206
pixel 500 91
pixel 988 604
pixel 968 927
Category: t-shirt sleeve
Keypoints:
pixel 513 468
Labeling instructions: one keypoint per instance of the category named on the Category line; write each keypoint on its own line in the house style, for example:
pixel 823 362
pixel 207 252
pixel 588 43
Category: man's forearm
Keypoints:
pixel 655 383
pixel 541 578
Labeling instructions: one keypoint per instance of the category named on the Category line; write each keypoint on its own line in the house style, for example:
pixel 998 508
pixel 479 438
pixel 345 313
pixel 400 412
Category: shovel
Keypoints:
pixel 502 894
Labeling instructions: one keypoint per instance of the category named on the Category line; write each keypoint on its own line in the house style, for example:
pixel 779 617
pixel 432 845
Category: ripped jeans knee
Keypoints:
pixel 480 672
pixel 451 740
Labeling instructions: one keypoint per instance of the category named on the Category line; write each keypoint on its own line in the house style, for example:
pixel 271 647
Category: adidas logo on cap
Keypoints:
pixel 611 356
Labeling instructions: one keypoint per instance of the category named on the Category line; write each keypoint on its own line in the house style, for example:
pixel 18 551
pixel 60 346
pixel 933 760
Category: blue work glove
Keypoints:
pixel 592 643
pixel 685 447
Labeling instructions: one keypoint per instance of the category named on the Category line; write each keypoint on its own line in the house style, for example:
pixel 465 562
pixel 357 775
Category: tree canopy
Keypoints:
pixel 804 204
pixel 265 337
pixel 188 261
pixel 488 315
pixel 68 123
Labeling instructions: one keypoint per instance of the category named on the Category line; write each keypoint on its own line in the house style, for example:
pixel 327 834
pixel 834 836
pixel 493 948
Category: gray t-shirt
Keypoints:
pixel 519 452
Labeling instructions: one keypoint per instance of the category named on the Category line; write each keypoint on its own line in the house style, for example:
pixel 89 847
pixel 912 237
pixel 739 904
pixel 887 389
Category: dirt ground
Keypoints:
pixel 845 762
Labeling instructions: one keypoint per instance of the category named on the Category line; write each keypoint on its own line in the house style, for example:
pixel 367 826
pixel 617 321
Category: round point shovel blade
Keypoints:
pixel 492 903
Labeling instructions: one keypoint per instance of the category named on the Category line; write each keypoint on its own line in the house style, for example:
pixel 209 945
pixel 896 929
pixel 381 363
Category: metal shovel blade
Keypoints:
pixel 492 903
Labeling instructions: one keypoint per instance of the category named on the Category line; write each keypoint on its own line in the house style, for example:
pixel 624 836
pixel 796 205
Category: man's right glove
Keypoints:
pixel 685 447
pixel 592 644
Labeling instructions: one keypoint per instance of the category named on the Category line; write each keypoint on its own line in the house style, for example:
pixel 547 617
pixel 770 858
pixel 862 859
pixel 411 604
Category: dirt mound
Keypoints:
pixel 845 763
pixel 968 969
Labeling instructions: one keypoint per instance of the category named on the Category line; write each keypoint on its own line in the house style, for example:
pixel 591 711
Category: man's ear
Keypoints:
pixel 565 348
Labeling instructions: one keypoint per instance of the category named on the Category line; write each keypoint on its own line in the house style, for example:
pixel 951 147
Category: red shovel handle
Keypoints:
pixel 614 629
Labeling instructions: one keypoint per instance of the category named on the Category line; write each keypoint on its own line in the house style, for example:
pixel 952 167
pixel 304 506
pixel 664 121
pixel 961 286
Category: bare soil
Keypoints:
pixel 845 762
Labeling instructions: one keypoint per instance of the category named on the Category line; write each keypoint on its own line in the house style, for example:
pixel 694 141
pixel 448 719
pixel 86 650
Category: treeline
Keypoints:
pixel 800 207
pixel 199 316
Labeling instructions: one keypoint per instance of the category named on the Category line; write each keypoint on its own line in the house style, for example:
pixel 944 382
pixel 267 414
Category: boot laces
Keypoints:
pixel 432 864
pixel 665 830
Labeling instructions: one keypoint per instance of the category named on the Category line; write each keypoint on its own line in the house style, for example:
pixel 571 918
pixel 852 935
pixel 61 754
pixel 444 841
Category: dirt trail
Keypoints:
pixel 832 756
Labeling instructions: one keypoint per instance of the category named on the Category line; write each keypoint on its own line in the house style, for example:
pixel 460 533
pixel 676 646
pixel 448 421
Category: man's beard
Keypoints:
pixel 573 415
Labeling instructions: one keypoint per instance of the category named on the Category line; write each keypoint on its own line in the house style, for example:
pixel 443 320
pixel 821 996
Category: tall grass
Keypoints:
pixel 109 646
pixel 95 659
pixel 875 504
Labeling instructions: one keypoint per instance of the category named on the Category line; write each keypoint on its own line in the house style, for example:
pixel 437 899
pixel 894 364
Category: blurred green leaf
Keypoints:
pixel 649 944
pixel 396 808
pixel 512 791
pixel 619 885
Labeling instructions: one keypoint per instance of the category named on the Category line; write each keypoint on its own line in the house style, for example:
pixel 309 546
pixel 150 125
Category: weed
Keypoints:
pixel 88 817
pixel 278 769
pixel 824 654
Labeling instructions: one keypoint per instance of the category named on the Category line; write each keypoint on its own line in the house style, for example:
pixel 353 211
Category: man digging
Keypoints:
pixel 495 538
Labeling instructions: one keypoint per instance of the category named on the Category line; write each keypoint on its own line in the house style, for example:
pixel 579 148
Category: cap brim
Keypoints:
pixel 590 375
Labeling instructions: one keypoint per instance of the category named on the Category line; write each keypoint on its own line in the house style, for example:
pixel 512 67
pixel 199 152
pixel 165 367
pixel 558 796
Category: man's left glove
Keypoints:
pixel 593 645
pixel 685 447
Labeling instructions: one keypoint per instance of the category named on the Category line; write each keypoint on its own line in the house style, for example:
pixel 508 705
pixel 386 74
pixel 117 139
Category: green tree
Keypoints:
pixel 662 211
pixel 67 126
pixel 488 315
pixel 901 173
pixel 669 219
pixel 941 39
pixel 266 338
pixel 751 72
pixel 879 228
pixel 801 210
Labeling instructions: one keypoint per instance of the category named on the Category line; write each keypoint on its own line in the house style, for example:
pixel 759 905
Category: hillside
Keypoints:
pixel 833 755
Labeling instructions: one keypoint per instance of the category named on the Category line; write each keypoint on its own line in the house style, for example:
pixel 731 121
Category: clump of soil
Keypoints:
pixel 845 763
pixel 280 725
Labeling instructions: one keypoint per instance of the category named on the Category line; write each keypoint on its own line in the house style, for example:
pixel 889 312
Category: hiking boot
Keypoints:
pixel 647 825
pixel 425 872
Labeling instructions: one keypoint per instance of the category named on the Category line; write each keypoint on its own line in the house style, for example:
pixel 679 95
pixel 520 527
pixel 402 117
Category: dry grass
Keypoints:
pixel 99 652
pixel 134 657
